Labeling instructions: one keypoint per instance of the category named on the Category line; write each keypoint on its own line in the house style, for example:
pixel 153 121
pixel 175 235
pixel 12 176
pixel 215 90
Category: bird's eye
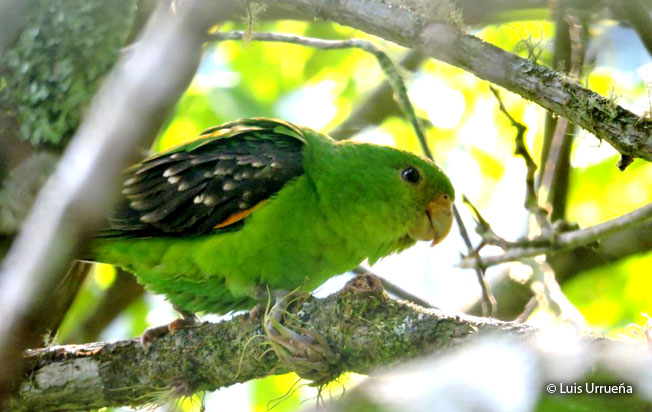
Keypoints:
pixel 410 174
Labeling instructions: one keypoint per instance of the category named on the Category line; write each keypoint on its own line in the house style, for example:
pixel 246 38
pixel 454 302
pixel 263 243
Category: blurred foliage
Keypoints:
pixel 614 296
pixel 470 138
pixel 586 403
pixel 51 73
pixel 278 393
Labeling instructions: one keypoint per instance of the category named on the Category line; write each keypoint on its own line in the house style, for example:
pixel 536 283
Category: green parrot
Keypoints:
pixel 261 204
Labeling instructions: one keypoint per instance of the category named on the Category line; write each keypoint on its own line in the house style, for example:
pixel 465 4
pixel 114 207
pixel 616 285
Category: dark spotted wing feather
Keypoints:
pixel 209 183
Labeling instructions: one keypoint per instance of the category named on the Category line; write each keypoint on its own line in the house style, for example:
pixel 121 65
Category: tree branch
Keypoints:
pixel 431 35
pixel 637 13
pixel 123 291
pixel 365 330
pixel 386 64
pixel 128 109
pixel 482 370
pixel 564 241
pixel 379 104
pixel 513 296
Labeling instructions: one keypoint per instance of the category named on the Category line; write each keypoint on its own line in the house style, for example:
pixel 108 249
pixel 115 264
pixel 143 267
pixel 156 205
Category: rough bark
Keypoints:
pixel 364 329
pixel 129 109
pixel 435 36
pixel 175 368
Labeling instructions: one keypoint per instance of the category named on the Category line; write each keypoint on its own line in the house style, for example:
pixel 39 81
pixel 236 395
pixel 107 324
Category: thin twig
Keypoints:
pixel 567 240
pixel 553 185
pixel 489 237
pixel 377 105
pixel 386 64
pixel 488 299
pixel 527 311
pixel 531 200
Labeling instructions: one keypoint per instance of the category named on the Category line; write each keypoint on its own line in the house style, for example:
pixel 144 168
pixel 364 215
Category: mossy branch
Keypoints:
pixel 437 36
pixel 364 329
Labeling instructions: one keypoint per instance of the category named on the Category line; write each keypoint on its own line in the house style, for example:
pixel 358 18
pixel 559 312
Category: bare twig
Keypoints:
pixel 385 62
pixel 567 240
pixel 488 300
pixel 531 199
pixel 379 104
pixel 430 35
pixel 129 108
pixel 513 296
pixel 553 184
pixel 561 60
pixel 527 311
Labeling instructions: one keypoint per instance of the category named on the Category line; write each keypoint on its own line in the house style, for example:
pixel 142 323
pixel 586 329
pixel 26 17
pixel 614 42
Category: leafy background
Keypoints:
pixel 472 141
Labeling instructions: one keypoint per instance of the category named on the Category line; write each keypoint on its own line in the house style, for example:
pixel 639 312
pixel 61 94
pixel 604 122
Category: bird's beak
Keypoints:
pixel 436 222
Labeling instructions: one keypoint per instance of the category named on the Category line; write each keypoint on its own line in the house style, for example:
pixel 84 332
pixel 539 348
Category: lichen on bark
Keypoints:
pixel 365 330
pixel 53 69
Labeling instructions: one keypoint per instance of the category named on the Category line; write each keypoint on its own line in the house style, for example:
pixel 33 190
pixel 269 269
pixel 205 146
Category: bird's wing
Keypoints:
pixel 211 183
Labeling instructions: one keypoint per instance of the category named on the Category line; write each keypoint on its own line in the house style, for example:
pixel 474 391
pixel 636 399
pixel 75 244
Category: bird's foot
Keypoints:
pixel 305 352
pixel 257 311
pixel 187 320
pixel 365 283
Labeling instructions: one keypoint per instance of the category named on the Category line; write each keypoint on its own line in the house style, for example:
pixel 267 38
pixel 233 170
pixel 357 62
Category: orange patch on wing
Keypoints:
pixel 236 217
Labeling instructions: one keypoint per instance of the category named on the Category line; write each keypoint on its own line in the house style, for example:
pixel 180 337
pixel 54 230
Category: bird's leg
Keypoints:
pixel 305 352
pixel 187 319
pixel 262 295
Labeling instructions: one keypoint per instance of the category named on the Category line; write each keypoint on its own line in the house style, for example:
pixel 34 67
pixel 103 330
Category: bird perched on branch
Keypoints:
pixel 261 203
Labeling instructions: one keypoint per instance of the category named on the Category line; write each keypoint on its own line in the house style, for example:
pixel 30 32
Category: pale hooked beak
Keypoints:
pixel 436 222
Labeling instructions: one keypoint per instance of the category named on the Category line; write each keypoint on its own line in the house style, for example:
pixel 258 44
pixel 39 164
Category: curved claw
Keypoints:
pixel 305 352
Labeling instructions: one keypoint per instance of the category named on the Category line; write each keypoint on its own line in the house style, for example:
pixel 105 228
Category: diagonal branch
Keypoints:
pixel 488 303
pixel 637 13
pixel 128 109
pixel 564 241
pixel 531 199
pixel 431 35
pixel 378 105
pixel 365 330
pixel 387 65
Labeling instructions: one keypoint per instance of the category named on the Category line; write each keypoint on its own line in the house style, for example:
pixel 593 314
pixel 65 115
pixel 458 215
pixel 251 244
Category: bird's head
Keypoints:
pixel 403 194
pixel 429 194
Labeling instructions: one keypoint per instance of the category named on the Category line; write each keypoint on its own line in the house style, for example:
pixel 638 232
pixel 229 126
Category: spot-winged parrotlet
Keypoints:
pixel 262 203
